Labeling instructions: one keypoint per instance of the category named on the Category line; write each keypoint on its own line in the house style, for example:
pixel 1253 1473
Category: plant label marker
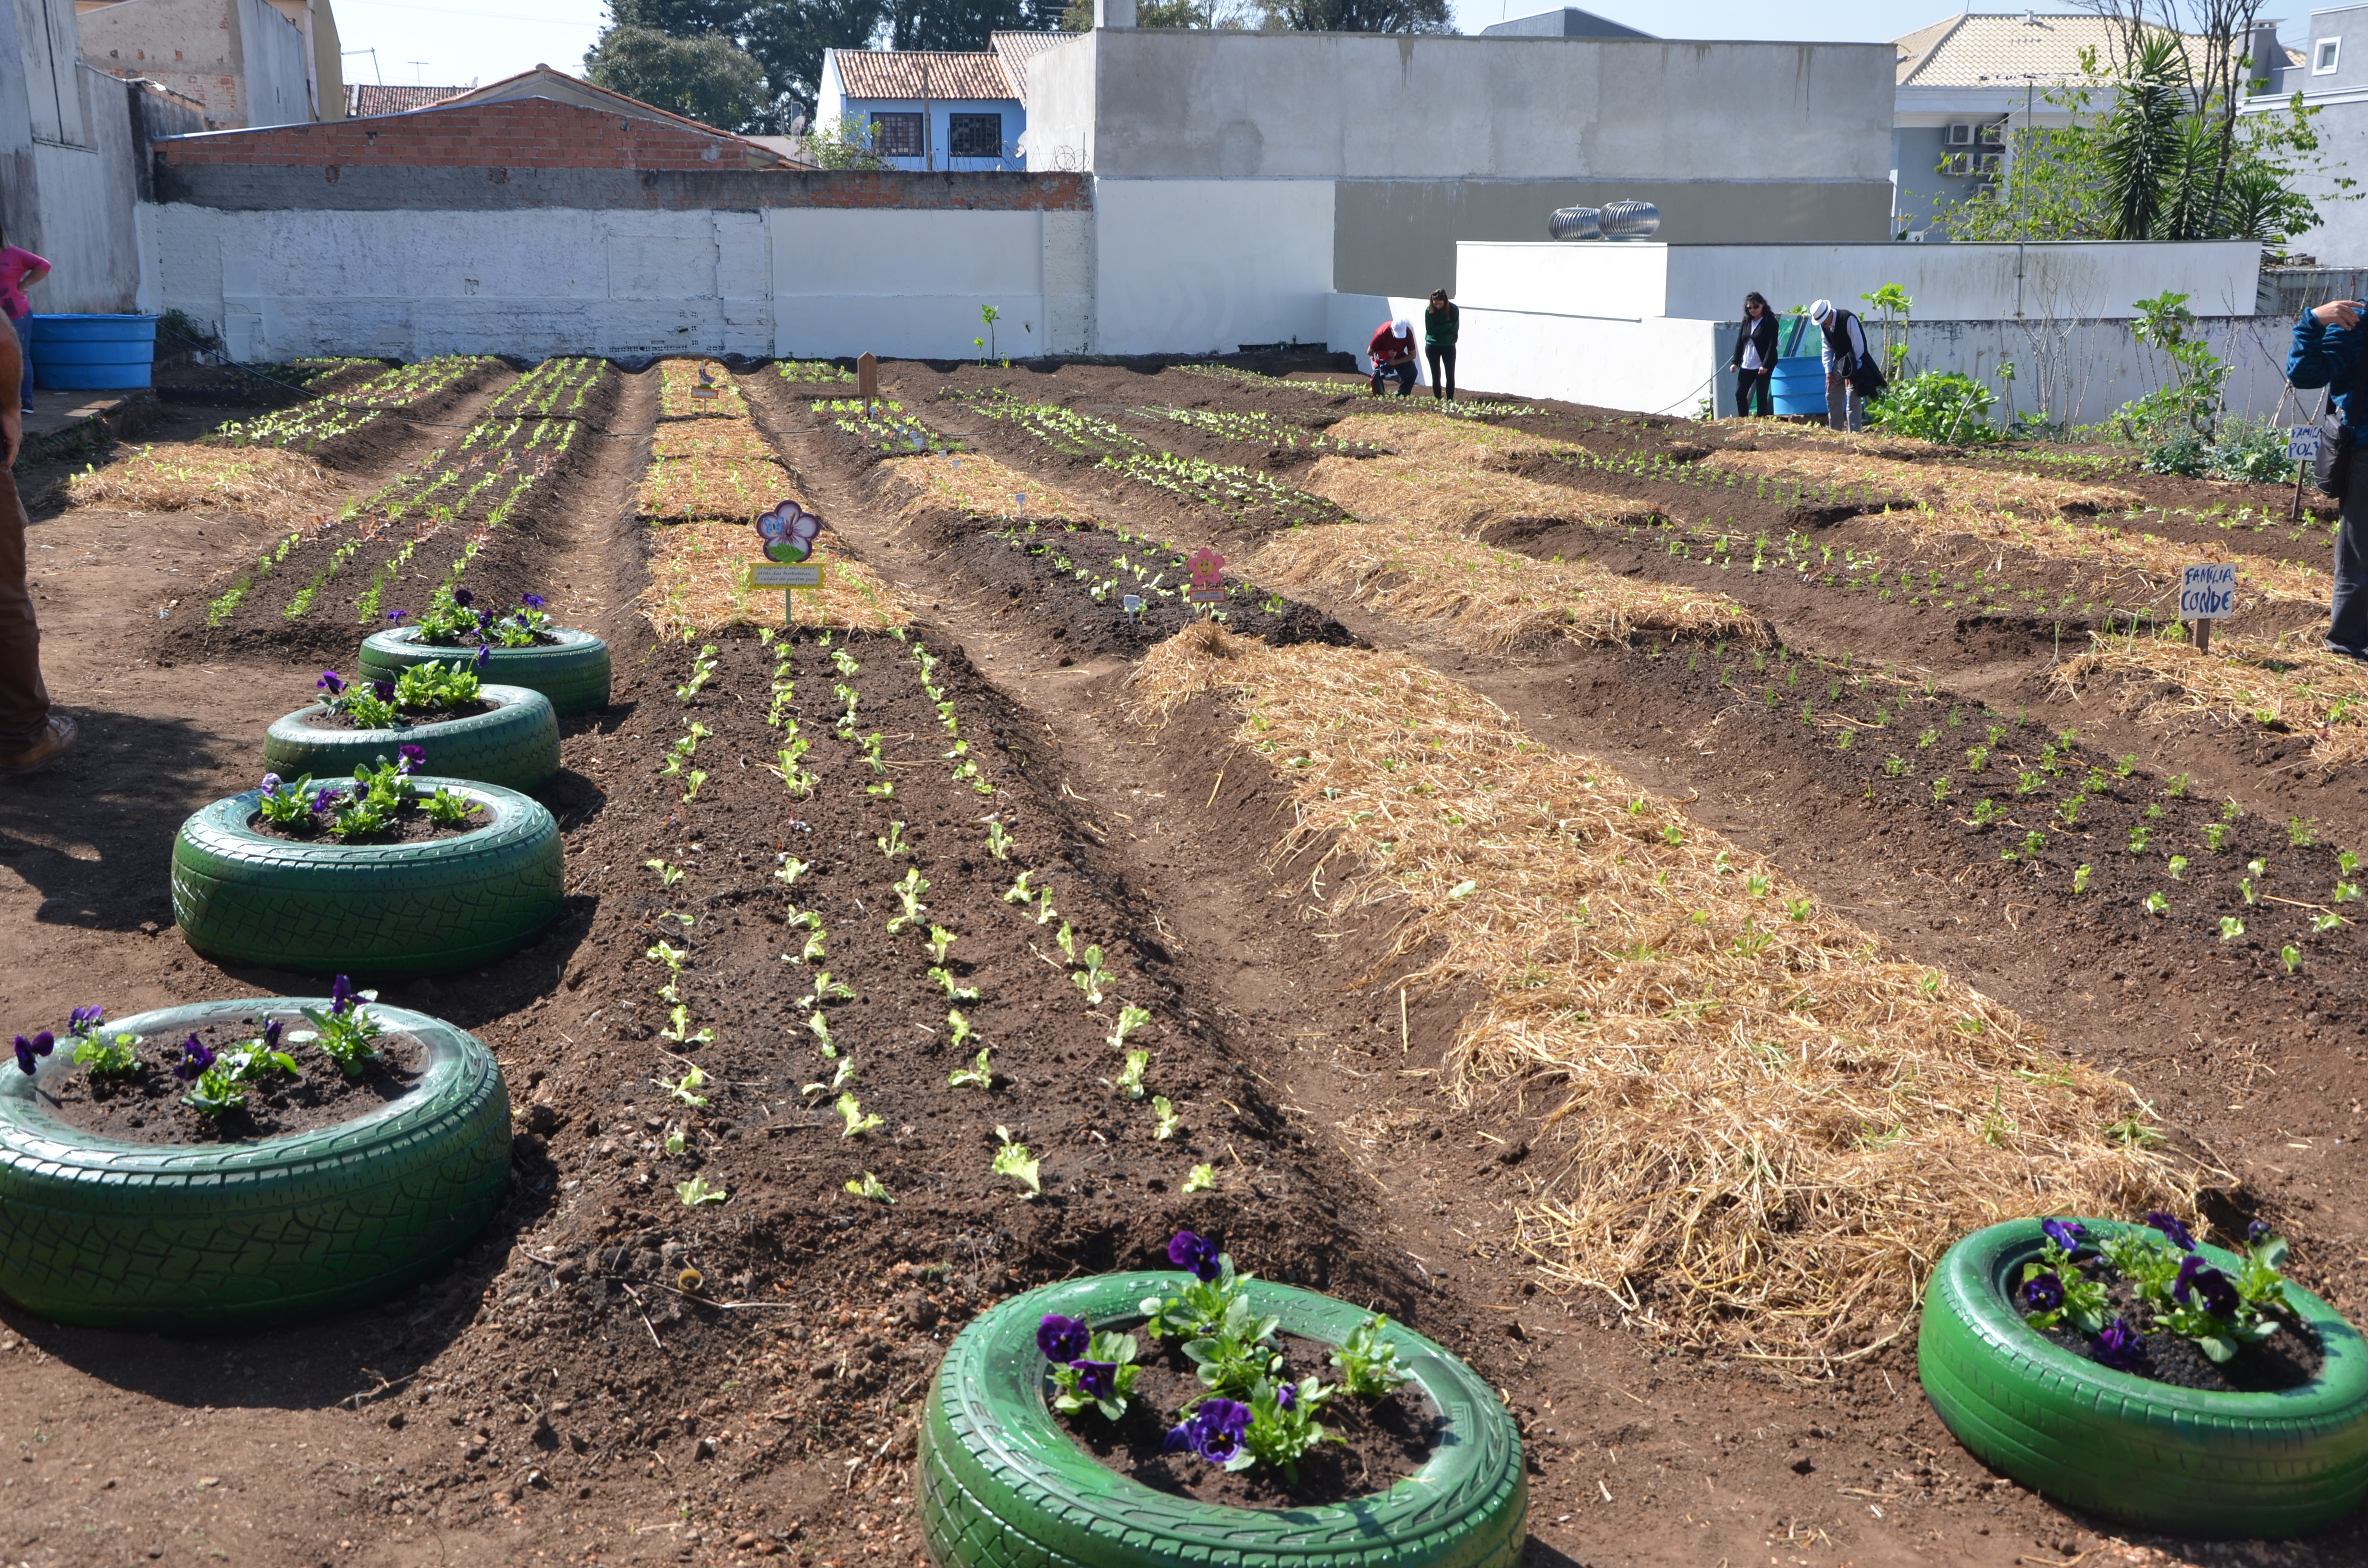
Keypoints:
pixel 1208 580
pixel 867 379
pixel 789 531
pixel 2206 594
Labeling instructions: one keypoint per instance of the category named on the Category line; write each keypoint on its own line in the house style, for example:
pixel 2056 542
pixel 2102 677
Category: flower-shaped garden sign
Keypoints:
pixel 788 532
pixel 1208 577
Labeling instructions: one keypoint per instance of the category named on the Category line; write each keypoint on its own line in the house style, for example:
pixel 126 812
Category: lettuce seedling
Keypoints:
pixel 1020 893
pixel 702 670
pixel 1201 1178
pixel 979 1073
pixel 894 843
pixel 953 993
pixel 667 875
pixel 909 889
pixel 2080 879
pixel 1169 1122
pixel 1130 1019
pixel 1130 1081
pixel 792 869
pixel 1103 1379
pixel 2290 953
pixel 1089 979
pixel 679 1029
pixel 2178 867
pixel 869 1187
pixel 1066 941
pixel 696 1193
pixel 2155 903
pixel 999 840
pixel 1369 1364
pixel 686 1088
pixel 941 942
pixel 850 1112
pixel 1012 1160
pixel 2231 927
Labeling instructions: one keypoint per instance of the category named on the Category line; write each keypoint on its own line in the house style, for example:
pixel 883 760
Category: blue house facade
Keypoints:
pixel 935 108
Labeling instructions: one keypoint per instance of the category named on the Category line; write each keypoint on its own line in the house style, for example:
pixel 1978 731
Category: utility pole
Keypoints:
pixel 2021 195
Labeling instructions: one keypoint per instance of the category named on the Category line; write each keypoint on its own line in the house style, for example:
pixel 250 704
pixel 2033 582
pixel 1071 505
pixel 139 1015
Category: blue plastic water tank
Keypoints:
pixel 1799 385
pixel 79 353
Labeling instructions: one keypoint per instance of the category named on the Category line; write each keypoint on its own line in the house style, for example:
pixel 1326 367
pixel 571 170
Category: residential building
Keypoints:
pixel 1568 22
pixel 932 109
pixel 382 97
pixel 249 62
pixel 2328 72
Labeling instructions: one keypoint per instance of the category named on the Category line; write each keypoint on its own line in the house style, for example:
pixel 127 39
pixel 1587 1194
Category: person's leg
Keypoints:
pixel 24 700
pixel 1406 377
pixel 1836 413
pixel 24 325
pixel 2347 629
pixel 1447 358
pixel 1857 406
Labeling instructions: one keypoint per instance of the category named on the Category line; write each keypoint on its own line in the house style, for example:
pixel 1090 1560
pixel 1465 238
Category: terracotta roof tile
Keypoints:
pixel 371 98
pixel 883 73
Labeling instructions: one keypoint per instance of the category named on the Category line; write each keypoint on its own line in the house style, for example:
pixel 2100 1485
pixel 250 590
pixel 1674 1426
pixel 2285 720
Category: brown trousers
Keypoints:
pixel 24 700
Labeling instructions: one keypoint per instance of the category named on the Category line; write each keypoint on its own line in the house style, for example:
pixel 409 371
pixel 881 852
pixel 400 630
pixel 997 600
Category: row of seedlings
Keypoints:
pixel 312 426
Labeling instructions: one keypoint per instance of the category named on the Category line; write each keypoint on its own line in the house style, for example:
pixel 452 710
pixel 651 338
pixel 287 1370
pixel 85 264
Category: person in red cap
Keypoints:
pixel 1391 351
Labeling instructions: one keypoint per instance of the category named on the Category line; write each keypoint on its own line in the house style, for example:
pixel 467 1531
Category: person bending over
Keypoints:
pixel 1392 352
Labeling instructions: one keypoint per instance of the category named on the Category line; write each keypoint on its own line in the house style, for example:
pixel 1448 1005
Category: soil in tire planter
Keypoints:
pixel 1382 1440
pixel 408 828
pixel 2290 1358
pixel 146 1107
pixel 319 718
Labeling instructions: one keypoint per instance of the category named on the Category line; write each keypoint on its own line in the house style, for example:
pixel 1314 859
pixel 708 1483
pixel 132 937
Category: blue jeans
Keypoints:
pixel 2347 631
pixel 24 325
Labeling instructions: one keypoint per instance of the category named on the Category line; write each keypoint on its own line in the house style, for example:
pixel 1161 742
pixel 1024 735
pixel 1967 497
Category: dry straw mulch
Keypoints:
pixel 1945 485
pixel 2288 679
pixel 699 583
pixel 1463 497
pixel 676 380
pixel 1490 601
pixel 285 489
pixel 2158 561
pixel 982 488
pixel 1443 436
pixel 1769 1127
pixel 709 461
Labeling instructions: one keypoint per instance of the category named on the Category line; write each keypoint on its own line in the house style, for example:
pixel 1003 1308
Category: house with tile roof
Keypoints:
pixel 396 97
pixel 936 109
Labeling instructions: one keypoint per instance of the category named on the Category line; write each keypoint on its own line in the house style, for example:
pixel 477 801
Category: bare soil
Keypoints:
pixel 413 826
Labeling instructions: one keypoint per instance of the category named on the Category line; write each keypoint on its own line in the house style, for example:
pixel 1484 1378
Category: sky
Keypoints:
pixel 443 42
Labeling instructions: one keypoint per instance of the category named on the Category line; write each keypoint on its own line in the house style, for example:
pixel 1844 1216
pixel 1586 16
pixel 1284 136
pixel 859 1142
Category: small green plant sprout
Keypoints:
pixel 2067 811
pixel 2128 765
pixel 2097 783
pixel 2175 786
pixel 998 839
pixel 2155 903
pixel 2299 831
pixel 1130 1079
pixel 101 1057
pixel 1895 766
pixel 954 993
pixel 686 1088
pixel 1939 788
pixel 2231 927
pixel 1089 979
pixel 2214 837
pixel 1797 910
pixel 871 1188
pixel 1044 910
pixel 885 789
pixel 1755 885
pixel 679 1029
pixel 960 1026
pixel 909 889
pixel 2292 956
pixel 692 781
pixel 979 1073
pixel 2346 891
pixel 675 1142
pixel 2139 836
pixel 826 991
pixel 1012 1160
pixel 871 746
pixel 2230 810
pixel 941 942
pixel 697 1194
pixel 1169 1122
pixel 2326 921
pixel 1066 941
pixel 1986 812
pixel 1130 1019
pixel 2178 867
pixel 791 869
pixel 818 1025
pixel 1201 1178
pixel 850 1112
pixel 1369 1364
pixel 2028 783
pixel 1977 758
pixel 894 843
pixel 702 670
pixel 667 875
pixel 2080 880
pixel 1020 893
pixel 1925 740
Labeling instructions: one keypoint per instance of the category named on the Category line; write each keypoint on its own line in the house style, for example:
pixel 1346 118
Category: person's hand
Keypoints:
pixel 2344 314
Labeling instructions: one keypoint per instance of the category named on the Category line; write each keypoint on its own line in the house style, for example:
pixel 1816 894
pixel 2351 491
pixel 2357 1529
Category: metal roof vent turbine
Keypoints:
pixel 1629 220
pixel 1576 224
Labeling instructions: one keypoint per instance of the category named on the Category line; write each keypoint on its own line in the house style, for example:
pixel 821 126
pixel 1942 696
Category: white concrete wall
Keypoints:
pixel 1190 266
pixel 278 66
pixel 1655 365
pixel 86 196
pixel 538 281
pixel 1956 282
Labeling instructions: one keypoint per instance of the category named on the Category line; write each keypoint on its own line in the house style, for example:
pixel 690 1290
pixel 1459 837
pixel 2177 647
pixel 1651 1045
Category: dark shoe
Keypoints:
pixel 54 740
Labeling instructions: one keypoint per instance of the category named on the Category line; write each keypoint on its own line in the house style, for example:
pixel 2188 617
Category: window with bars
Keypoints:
pixel 975 135
pixel 896 135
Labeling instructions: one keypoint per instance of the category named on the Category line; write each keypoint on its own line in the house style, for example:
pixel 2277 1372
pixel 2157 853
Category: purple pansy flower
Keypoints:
pixel 398 616
pixel 194 1060
pixel 463 598
pixel 271 1034
pixel 410 759
pixel 30 1051
pixel 1286 1396
pixel 533 601
pixel 331 682
pixel 2171 1226
pixel 1197 1255
pixel 385 689
pixel 485 656
pixel 1063 1339
pixel 2119 1347
pixel 2042 1293
pixel 2065 1233
pixel 82 1020
pixel 1096 1379
pixel 2257 1232
pixel 1214 1432
pixel 341 995
pixel 2197 1277
pixel 271 782
pixel 326 800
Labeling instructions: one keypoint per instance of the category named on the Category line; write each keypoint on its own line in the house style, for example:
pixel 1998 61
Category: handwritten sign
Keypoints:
pixel 2302 444
pixel 2208 592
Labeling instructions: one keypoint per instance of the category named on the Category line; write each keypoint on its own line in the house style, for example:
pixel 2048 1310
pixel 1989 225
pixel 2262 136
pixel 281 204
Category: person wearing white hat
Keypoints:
pixel 1845 351
pixel 1392 352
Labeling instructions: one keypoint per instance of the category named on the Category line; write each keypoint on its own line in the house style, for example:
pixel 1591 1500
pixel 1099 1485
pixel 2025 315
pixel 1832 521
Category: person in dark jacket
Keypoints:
pixel 1845 350
pixel 2328 351
pixel 1438 327
pixel 1754 359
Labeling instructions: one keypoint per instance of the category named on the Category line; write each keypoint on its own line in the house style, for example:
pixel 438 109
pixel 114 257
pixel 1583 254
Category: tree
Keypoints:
pixel 1363 15
pixel 705 78
pixel 790 36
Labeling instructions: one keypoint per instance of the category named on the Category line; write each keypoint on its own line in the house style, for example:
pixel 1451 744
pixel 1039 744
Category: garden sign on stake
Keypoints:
pixel 789 531
pixel 2206 594
pixel 1208 584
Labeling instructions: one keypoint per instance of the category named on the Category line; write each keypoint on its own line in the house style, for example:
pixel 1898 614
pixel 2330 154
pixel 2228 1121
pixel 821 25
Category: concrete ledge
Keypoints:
pixel 65 425
pixel 231 187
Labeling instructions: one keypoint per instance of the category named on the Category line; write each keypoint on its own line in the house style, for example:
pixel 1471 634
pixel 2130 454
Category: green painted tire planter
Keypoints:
pixel 514 743
pixel 572 672
pixel 110 1234
pixel 373 911
pixel 1003 1487
pixel 2183 1461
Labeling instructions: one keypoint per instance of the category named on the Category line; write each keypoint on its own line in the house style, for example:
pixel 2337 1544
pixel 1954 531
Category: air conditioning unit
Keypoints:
pixel 1957 164
pixel 1961 136
pixel 1993 134
pixel 1991 162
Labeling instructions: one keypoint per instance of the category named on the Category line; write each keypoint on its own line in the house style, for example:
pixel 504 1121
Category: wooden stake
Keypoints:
pixel 2203 636
pixel 2302 472
pixel 867 381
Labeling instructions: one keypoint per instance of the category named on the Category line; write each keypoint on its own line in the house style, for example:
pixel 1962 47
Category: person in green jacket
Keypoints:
pixel 1439 325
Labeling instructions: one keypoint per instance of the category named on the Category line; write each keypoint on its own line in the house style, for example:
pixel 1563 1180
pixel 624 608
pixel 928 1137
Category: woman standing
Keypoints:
pixel 1754 359
pixel 20 269
pixel 1439 325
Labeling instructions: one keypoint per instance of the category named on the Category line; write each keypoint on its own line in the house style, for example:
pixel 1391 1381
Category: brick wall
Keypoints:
pixel 524 133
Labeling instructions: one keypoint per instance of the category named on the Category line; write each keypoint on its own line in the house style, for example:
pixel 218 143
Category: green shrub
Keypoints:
pixel 1936 405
